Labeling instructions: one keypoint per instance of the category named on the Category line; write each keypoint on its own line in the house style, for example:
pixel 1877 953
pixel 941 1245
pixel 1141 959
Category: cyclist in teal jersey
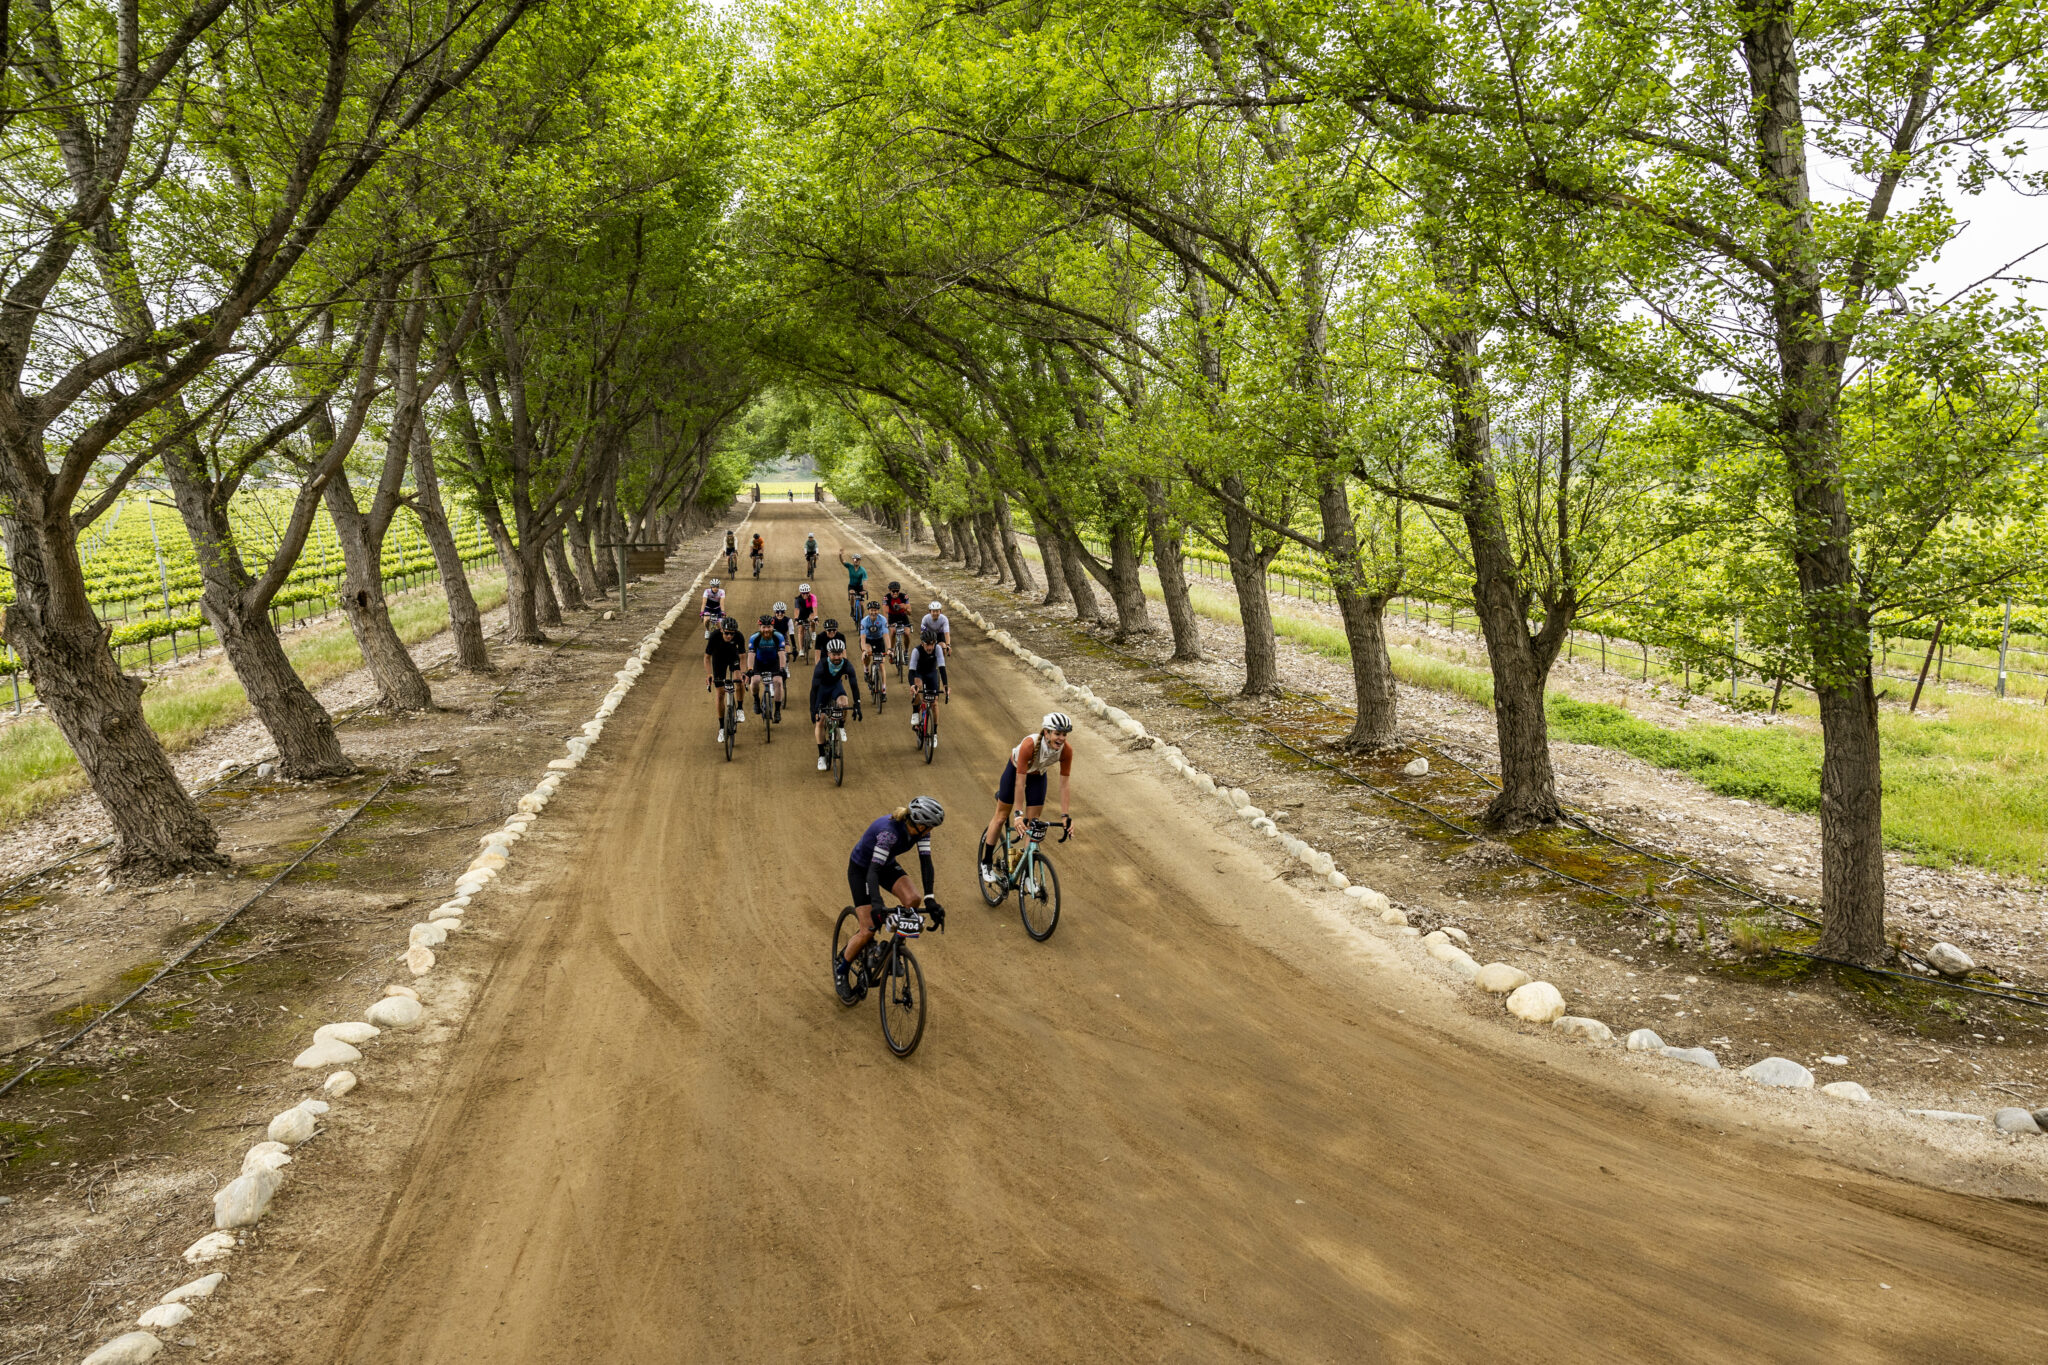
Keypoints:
pixel 856 583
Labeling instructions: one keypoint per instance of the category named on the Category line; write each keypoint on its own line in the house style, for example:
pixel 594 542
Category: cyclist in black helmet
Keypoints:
pixel 872 869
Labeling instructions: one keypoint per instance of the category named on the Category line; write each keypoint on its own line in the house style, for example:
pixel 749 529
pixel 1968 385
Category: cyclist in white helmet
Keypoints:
pixel 872 869
pixel 713 610
pixel 1033 757
pixel 935 619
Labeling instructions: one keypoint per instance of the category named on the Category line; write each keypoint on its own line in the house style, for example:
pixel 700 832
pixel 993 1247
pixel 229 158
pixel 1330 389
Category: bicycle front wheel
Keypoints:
pixel 732 726
pixel 930 743
pixel 902 1002
pixel 838 756
pixel 767 718
pixel 1038 897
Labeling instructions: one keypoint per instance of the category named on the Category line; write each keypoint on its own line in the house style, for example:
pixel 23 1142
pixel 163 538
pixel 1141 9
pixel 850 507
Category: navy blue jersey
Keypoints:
pixel 766 646
pixel 887 839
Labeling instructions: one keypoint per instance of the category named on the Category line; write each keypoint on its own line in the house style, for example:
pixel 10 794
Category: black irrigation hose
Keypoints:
pixel 204 939
pixel 1560 873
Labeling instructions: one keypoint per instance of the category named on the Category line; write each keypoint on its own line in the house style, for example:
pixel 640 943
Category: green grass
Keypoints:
pixel 1969 784
pixel 37 766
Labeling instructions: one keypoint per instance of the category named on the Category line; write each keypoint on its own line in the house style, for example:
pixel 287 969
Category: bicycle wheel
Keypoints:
pixel 930 742
pixel 902 1002
pixel 837 753
pixel 767 719
pixel 732 725
pixel 993 892
pixel 1038 898
pixel 842 933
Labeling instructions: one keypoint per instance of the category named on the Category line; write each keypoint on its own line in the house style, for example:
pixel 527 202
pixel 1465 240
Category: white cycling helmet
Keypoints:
pixel 781 607
pixel 803 587
pixel 714 582
pixel 923 810
pixel 936 606
pixel 1057 721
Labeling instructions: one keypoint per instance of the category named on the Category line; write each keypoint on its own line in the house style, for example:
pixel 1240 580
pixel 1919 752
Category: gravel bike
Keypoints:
pixel 756 557
pixel 1033 878
pixel 899 650
pixel 888 967
pixel 835 748
pixel 732 563
pixel 874 672
pixel 732 714
pixel 928 724
pixel 768 706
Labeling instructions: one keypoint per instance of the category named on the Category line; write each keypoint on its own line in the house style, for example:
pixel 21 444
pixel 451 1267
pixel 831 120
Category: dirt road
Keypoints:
pixel 1190 1127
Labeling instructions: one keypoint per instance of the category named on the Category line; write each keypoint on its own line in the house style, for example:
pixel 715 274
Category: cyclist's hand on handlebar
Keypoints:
pixel 937 912
pixel 1066 828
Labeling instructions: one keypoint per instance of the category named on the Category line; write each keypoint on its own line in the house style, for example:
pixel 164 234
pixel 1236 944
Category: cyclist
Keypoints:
pixel 856 582
pixel 756 552
pixel 782 626
pixel 810 558
pixel 806 608
pixel 872 869
pixel 713 610
pixel 767 657
pixel 723 653
pixel 834 687
pixel 927 672
pixel 732 553
pixel 874 643
pixel 827 633
pixel 1033 757
pixel 897 603
pixel 935 618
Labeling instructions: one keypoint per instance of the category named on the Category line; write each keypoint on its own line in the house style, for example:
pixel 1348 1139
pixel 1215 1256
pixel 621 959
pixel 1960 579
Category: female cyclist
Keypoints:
pixel 806 608
pixel 872 869
pixel 1033 757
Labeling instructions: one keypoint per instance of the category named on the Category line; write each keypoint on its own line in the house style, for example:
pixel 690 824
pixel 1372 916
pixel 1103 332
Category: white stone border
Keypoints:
pixel 243 1201
pixel 1535 1002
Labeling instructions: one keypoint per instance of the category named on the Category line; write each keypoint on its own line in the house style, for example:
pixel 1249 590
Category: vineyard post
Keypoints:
pixel 1603 653
pixel 163 579
pixel 1925 663
pixel 1735 664
pixel 2004 638
pixel 625 532
pixel 14 681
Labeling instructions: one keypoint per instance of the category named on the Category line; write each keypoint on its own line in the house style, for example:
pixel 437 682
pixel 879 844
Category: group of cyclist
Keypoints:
pixel 764 657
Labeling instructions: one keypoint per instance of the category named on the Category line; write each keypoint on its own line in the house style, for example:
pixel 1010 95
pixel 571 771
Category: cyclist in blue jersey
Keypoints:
pixel 872 869
pixel 768 657
pixel 874 644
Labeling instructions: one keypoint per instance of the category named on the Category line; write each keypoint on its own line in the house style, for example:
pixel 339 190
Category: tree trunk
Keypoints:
pixel 1851 825
pixel 564 576
pixel 1079 589
pixel 543 587
pixel 970 549
pixel 991 552
pixel 1127 583
pixel 307 747
pixel 1173 578
pixel 1248 565
pixel 1363 609
pixel 158 828
pixel 578 531
pixel 522 613
pixel 369 615
pixel 1056 593
pixel 1020 572
pixel 465 620
pixel 1520 664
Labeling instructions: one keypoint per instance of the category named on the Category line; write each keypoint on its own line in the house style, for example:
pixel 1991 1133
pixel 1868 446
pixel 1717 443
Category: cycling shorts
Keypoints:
pixel 857 880
pixel 720 671
pixel 769 670
pixel 899 618
pixel 878 643
pixel 1034 787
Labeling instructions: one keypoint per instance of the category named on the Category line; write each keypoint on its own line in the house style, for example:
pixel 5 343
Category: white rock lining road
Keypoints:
pixel 244 1200
pixel 1535 1002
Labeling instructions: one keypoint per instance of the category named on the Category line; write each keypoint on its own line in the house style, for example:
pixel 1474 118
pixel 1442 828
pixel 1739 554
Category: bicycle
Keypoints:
pixel 874 675
pixel 756 557
pixel 899 650
pixel 835 748
pixel 1036 883
pixel 858 602
pixel 732 713
pixel 771 715
pixel 803 640
pixel 888 963
pixel 732 563
pixel 810 564
pixel 928 724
